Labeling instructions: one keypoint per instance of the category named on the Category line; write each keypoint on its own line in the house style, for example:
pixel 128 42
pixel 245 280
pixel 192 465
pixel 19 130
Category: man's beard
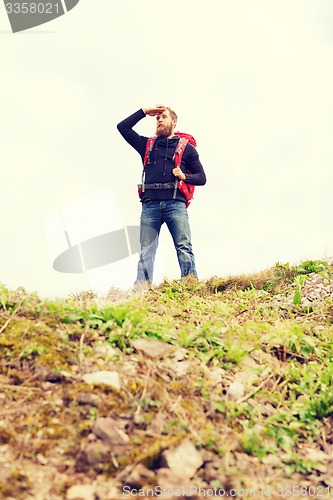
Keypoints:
pixel 164 131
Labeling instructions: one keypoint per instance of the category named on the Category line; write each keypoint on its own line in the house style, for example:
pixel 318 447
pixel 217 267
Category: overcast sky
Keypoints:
pixel 252 81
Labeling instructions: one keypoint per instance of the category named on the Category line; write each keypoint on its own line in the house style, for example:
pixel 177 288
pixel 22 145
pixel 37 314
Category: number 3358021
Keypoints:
pixel 32 8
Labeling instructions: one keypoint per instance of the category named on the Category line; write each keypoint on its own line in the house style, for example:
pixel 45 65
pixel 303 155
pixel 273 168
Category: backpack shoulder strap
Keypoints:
pixel 149 146
pixel 177 157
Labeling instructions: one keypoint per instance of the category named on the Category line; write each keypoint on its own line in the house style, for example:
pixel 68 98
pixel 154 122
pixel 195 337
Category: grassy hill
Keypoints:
pixel 224 385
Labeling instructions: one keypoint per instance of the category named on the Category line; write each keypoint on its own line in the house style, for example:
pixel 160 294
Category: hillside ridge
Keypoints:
pixel 221 387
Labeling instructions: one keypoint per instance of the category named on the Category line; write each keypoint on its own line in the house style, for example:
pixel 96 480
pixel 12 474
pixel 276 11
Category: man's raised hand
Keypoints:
pixel 157 110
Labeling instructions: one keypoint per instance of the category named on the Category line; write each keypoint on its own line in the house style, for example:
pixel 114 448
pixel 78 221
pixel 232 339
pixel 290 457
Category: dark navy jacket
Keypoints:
pixel 159 168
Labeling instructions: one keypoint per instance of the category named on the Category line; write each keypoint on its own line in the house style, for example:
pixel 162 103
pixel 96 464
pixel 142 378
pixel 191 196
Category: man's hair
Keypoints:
pixel 172 113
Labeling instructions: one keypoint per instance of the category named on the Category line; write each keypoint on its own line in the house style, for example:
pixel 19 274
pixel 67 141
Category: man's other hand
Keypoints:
pixel 179 173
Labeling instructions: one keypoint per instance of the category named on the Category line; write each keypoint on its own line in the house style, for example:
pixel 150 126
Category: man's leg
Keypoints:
pixel 150 225
pixel 176 217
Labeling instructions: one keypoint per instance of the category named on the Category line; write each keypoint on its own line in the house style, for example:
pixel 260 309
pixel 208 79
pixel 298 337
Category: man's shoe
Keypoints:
pixel 141 287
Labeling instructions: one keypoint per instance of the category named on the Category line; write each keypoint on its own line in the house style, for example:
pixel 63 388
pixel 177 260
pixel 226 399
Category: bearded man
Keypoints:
pixel 160 202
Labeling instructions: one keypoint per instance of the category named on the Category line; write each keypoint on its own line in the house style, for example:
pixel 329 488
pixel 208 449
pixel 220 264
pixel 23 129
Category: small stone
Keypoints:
pixel 4 380
pixel 271 460
pixel 180 354
pixel 103 377
pixel 111 433
pixel 248 362
pixel 235 391
pixel 181 368
pixel 185 458
pixel 105 351
pixel 96 453
pixel 47 375
pixel 315 455
pixel 262 357
pixel 5 435
pixel 81 492
pixel 216 376
pixel 208 456
pixel 41 459
pixel 328 480
pixel 266 409
pixel 159 423
pixel 130 368
pixel 151 348
pixel 139 476
pixel 106 490
pixel 68 375
pixel 171 479
pixel 88 399
pixel 245 377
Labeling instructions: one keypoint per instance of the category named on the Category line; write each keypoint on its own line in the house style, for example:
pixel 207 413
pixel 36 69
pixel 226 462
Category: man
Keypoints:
pixel 159 203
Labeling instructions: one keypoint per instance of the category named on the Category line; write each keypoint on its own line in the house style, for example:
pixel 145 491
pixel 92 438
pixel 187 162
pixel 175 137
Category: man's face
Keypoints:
pixel 165 125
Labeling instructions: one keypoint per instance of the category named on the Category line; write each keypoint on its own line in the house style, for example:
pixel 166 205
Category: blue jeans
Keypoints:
pixel 174 214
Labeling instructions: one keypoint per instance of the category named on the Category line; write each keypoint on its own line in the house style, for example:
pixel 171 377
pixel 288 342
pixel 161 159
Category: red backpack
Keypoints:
pixel 186 189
